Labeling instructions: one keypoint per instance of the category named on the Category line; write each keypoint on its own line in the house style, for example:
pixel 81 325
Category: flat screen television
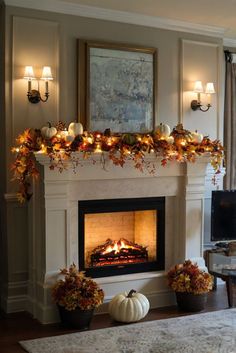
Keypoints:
pixel 223 215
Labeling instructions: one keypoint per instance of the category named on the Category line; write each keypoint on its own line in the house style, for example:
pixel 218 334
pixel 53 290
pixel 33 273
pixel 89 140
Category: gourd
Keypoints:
pixel 75 129
pixel 163 130
pixel 196 137
pixel 48 131
pixel 129 139
pixel 129 308
pixel 181 135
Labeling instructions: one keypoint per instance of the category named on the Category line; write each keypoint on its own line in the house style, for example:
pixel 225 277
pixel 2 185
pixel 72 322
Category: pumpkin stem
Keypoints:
pixel 131 293
pixel 49 124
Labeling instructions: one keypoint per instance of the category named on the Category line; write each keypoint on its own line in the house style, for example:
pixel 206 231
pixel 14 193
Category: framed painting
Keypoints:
pixel 117 87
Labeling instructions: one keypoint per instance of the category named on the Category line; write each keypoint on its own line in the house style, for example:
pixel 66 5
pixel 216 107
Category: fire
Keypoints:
pixel 117 246
pixel 114 252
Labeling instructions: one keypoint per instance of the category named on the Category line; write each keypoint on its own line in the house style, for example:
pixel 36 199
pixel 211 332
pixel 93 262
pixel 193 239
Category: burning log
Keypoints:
pixel 117 252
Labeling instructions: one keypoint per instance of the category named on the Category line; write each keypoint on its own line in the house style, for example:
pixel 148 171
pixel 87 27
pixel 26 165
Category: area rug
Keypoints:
pixel 213 332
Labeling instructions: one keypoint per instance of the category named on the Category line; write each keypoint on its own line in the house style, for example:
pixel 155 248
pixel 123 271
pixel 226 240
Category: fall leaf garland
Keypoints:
pixel 119 147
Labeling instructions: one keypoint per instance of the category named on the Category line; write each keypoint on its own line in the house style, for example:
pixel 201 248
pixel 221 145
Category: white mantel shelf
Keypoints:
pixel 87 168
pixel 55 221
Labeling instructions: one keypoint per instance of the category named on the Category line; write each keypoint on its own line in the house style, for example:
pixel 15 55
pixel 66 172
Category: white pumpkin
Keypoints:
pixel 170 139
pixel 48 131
pixel 196 137
pixel 75 129
pixel 129 308
pixel 163 130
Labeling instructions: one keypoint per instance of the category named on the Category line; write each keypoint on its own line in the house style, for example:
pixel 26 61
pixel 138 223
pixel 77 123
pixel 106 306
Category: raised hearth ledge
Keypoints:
pixel 54 228
pixel 51 277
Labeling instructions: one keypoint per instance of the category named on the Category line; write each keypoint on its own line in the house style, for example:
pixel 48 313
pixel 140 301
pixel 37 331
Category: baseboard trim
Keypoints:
pixel 49 314
pixel 14 303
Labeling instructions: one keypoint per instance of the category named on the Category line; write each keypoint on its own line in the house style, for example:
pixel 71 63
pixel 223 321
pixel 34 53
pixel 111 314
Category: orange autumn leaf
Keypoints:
pixel 164 162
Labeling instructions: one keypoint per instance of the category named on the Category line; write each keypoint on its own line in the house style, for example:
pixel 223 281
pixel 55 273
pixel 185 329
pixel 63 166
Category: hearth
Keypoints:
pixel 121 236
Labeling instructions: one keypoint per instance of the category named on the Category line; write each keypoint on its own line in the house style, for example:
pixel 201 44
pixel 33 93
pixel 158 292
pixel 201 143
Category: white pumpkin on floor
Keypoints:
pixel 129 307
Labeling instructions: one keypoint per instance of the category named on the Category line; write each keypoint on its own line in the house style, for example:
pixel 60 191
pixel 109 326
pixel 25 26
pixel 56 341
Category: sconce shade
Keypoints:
pixel 47 74
pixel 196 103
pixel 29 73
pixel 34 95
pixel 198 87
pixel 210 88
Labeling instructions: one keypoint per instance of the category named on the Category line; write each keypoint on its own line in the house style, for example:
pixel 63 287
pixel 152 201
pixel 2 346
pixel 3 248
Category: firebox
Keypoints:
pixel 121 236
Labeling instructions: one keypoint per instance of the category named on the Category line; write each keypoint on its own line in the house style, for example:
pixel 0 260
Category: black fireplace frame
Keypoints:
pixel 119 205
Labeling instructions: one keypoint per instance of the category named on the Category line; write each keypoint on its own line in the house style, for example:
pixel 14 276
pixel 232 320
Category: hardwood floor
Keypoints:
pixel 22 326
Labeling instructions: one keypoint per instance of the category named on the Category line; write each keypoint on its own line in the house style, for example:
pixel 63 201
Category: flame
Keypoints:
pixel 116 247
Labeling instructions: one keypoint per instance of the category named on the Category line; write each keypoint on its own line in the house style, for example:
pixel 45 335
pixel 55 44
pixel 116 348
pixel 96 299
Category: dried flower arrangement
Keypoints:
pixel 77 290
pixel 187 277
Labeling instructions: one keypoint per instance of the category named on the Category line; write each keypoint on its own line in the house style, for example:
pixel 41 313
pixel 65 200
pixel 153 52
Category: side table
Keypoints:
pixel 229 276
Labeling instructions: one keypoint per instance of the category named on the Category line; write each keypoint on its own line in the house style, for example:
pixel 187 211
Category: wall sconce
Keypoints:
pixel 196 104
pixel 34 95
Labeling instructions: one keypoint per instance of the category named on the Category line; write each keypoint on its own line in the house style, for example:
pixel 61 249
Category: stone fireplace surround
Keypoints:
pixel 54 223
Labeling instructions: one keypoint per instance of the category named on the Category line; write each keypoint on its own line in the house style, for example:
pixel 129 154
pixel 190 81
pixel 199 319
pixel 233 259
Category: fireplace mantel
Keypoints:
pixel 105 168
pixel 54 216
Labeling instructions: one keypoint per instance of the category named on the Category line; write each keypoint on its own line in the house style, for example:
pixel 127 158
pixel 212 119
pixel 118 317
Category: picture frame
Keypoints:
pixel 117 87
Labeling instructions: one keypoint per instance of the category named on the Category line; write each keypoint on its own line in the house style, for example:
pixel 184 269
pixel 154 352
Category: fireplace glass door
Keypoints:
pixel 121 236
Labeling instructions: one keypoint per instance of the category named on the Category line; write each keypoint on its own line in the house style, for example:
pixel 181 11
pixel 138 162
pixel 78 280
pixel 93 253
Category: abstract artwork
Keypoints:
pixel 121 88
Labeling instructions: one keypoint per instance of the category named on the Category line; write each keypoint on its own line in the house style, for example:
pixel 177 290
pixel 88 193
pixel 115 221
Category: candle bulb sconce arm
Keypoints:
pixel 198 88
pixel 196 105
pixel 34 96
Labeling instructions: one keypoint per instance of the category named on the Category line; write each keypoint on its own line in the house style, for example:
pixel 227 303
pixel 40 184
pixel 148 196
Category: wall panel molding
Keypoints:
pixel 201 60
pixel 34 42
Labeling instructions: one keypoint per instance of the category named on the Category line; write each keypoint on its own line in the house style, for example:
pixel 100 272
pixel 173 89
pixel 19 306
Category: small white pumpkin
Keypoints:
pixel 130 307
pixel 75 129
pixel 170 139
pixel 48 131
pixel 163 130
pixel 196 137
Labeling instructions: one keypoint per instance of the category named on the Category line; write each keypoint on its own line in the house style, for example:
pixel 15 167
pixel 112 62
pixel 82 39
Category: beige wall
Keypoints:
pixel 39 38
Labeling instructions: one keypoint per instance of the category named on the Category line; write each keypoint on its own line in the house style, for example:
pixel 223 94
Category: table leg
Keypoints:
pixel 229 287
pixel 214 283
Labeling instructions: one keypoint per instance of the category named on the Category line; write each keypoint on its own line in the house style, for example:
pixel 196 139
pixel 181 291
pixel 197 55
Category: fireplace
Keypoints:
pixel 121 236
pixel 55 225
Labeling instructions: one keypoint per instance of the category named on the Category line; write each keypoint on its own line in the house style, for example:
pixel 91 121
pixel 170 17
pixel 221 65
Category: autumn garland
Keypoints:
pixel 120 148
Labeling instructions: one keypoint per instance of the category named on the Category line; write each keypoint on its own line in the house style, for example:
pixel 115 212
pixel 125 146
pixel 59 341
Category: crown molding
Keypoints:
pixel 229 42
pixel 118 16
